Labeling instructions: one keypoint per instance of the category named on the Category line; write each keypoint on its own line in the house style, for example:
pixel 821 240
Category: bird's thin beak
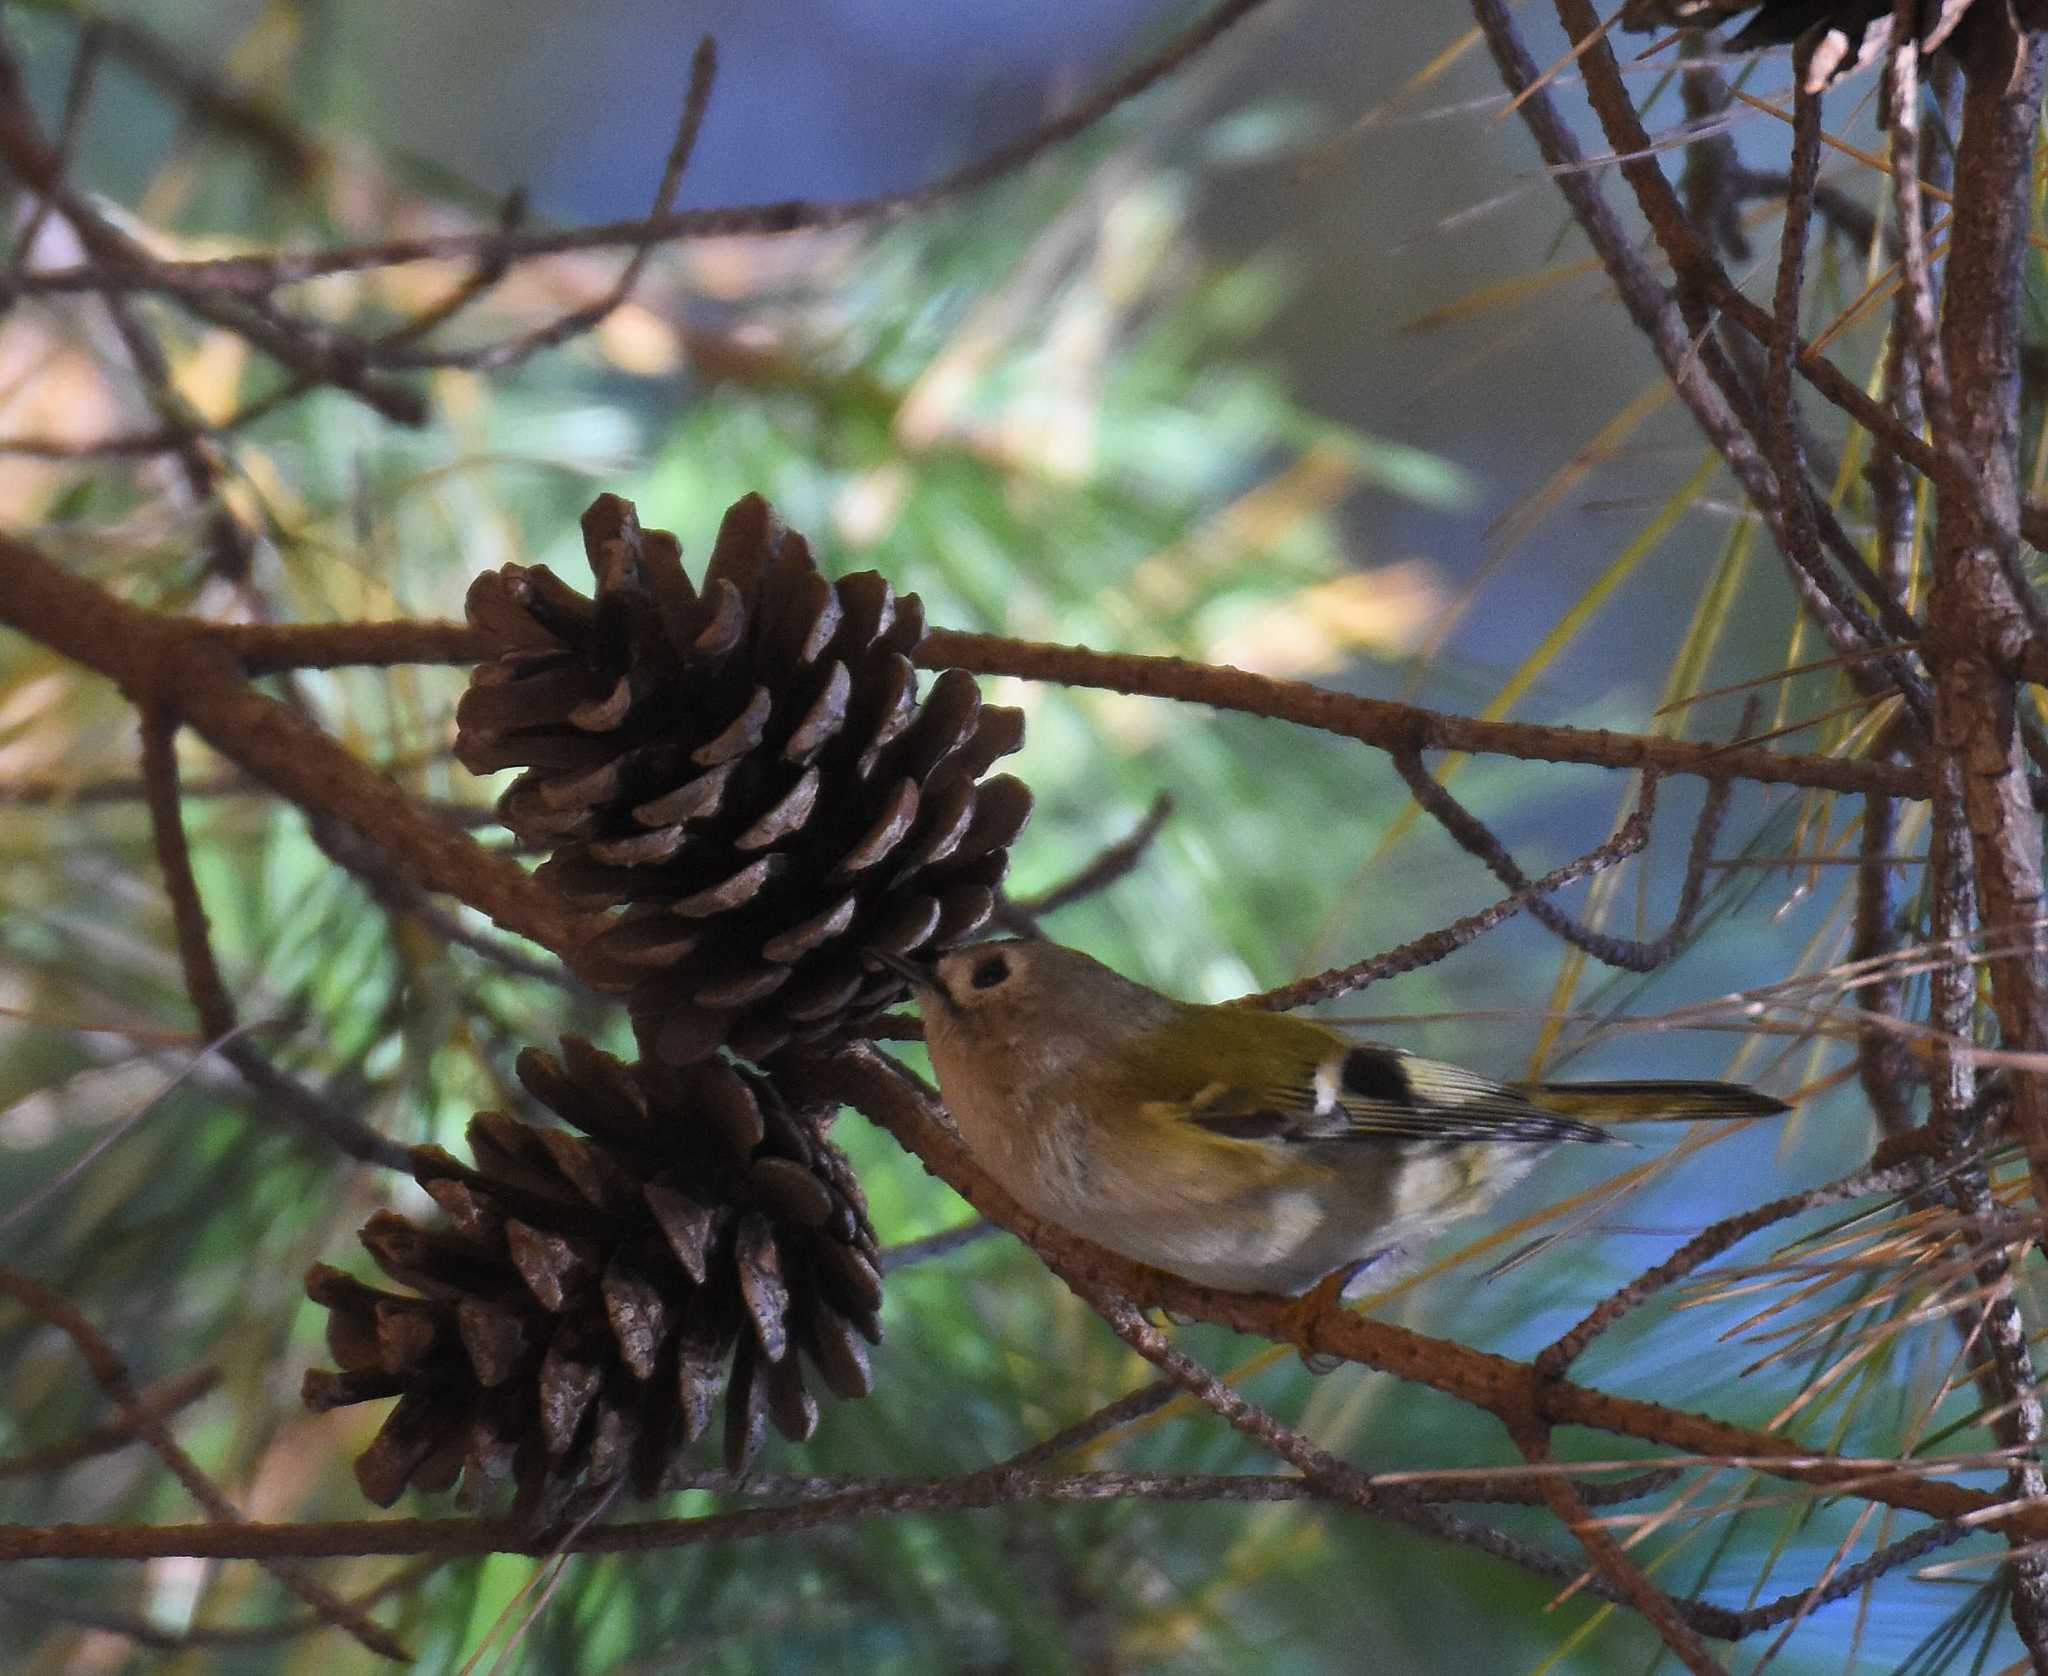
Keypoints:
pixel 918 974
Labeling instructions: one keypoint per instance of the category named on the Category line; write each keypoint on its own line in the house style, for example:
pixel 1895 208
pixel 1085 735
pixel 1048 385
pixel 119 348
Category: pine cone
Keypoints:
pixel 742 770
pixel 1840 36
pixel 574 1318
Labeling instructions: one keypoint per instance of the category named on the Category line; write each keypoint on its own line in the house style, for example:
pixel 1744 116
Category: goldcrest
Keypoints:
pixel 1247 1150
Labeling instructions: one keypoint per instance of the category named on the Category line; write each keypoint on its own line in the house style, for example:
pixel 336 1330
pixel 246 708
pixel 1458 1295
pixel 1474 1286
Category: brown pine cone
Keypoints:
pixel 740 774
pixel 1838 37
pixel 571 1323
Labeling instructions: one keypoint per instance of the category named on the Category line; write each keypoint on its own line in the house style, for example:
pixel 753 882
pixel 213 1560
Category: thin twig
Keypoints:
pixel 210 997
pixel 1710 1242
pixel 1390 726
pixel 910 1253
pixel 499 357
pixel 85 63
pixel 112 1378
pixel 242 116
pixel 260 275
pixel 44 166
pixel 1624 953
pixel 1627 840
pixel 163 1399
pixel 1611 1560
pixel 263 649
pixel 167 660
pixel 144 1633
pixel 1338 1479
pixel 203 982
pixel 1115 863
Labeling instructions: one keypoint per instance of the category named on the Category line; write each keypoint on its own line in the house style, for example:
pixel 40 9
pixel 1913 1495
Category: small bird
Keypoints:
pixel 1246 1150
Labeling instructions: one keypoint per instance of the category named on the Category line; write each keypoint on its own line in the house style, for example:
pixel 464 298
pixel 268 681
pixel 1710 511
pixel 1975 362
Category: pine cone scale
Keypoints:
pixel 695 799
pixel 783 817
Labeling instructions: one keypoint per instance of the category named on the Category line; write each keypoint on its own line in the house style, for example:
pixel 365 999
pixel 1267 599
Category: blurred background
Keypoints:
pixel 1294 364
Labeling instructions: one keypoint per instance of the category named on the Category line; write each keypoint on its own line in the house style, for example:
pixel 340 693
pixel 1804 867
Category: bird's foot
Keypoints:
pixel 1299 1319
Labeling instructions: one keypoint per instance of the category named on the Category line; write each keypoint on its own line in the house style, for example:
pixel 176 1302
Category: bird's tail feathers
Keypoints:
pixel 1651 1102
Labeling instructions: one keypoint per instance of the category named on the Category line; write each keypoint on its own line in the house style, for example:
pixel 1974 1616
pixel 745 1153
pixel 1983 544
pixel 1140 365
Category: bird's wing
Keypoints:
pixel 1379 1093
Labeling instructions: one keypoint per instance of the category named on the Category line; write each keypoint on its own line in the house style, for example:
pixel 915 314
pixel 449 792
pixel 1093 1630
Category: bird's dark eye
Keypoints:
pixel 990 972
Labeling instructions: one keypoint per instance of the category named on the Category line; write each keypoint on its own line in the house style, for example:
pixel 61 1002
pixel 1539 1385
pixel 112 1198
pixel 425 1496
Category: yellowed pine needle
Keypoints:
pixel 1810 827
pixel 1893 1223
pixel 1503 547
pixel 1869 159
pixel 1656 1562
pixel 1513 1470
pixel 89 1027
pixel 1791 1297
pixel 1506 293
pixel 1495 559
pixel 1760 1279
pixel 1745 1500
pixel 1874 1469
pixel 1852 1395
pixel 1879 290
pixel 1841 661
pixel 1646 1525
pixel 1699 1519
pixel 1821 1384
pixel 1842 1551
pixel 1709 620
pixel 1701 634
pixel 1881 1245
pixel 1916 1429
pixel 1559 1656
pixel 1558 67
pixel 1940 1303
pixel 1940 1570
pixel 1428 76
pixel 1886 1248
pixel 1864 733
pixel 1573 622
pixel 1819 1047
pixel 1856 706
pixel 1522 519
pixel 1951 1287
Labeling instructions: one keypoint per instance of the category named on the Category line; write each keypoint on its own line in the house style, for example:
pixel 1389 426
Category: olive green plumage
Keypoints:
pixel 1248 1150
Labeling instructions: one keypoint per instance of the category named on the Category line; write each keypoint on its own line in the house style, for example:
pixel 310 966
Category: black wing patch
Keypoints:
pixel 1375 1075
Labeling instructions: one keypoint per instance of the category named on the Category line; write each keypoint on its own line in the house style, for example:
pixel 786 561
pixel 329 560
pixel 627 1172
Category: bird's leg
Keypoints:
pixel 1149 1294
